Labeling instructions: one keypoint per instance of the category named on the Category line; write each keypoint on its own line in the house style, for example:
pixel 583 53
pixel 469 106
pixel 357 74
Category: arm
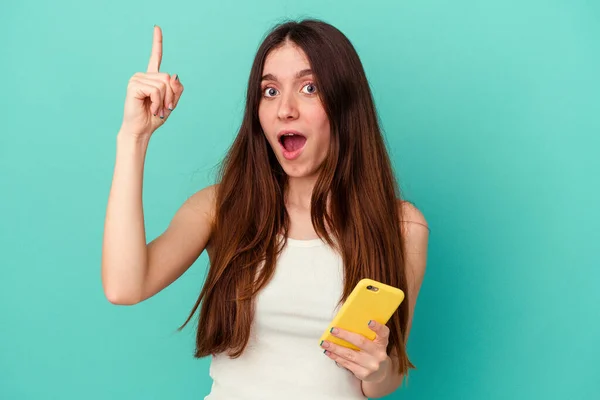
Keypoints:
pixel 416 243
pixel 133 271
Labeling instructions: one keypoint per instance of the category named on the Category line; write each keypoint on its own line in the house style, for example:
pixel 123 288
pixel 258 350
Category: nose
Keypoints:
pixel 287 107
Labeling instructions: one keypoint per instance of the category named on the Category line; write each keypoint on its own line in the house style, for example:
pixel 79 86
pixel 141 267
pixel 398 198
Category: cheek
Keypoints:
pixel 261 116
pixel 323 126
pixel 265 112
pixel 265 124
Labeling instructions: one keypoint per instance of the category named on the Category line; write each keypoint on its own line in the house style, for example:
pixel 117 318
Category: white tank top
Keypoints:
pixel 283 359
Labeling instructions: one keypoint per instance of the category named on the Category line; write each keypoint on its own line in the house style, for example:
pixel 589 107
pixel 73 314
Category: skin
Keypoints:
pixel 293 104
pixel 371 364
pixel 291 101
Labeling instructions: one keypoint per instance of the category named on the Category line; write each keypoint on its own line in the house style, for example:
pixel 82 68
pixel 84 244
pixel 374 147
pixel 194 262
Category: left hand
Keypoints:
pixel 371 362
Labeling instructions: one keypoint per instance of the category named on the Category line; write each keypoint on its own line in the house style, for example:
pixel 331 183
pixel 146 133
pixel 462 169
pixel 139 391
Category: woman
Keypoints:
pixel 305 206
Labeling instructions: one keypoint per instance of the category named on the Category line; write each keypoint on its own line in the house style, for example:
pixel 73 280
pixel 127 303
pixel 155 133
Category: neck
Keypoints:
pixel 299 191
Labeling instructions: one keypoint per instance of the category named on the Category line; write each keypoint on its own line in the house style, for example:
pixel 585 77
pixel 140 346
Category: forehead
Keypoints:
pixel 285 61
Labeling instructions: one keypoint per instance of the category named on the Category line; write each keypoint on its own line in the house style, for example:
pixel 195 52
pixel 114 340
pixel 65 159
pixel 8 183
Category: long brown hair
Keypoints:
pixel 354 204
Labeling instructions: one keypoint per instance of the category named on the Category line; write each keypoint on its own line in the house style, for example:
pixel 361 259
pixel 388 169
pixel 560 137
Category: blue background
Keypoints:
pixel 491 113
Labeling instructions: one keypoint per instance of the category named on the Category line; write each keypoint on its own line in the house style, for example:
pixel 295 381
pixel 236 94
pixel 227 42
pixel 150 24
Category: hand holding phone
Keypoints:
pixel 357 337
pixel 370 300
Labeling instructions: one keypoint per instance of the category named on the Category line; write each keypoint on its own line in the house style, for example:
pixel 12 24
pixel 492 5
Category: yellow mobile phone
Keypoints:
pixel 369 300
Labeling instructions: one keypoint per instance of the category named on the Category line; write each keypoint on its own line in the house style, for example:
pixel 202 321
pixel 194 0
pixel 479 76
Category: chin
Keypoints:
pixel 295 171
pixel 299 171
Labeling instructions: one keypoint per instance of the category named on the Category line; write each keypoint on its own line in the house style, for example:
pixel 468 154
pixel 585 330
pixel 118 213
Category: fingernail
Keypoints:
pixel 325 345
pixel 176 77
pixel 321 343
pixel 170 107
pixel 370 324
pixel 325 352
pixel 333 330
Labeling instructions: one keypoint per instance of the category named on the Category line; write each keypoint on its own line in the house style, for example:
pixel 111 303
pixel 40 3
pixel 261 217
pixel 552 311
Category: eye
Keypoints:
pixel 309 88
pixel 269 92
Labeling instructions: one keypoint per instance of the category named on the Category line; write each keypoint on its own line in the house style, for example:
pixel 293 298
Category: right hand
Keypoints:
pixel 151 96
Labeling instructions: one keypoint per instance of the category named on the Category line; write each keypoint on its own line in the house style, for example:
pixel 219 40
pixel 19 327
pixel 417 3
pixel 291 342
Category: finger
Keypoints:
pixel 169 93
pixel 144 88
pixel 382 332
pixel 164 81
pixel 156 54
pixel 151 88
pixel 358 357
pixel 357 369
pixel 177 89
pixel 356 339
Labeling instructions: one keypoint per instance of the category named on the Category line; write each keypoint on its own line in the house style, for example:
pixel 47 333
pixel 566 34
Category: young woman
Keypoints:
pixel 306 205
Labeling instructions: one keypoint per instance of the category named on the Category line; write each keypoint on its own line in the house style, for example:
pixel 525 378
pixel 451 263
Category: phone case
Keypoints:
pixel 362 305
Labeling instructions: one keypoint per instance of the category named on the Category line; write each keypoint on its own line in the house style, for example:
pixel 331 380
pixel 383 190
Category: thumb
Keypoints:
pixel 382 332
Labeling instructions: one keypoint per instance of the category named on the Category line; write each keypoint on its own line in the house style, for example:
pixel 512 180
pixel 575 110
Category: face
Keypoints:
pixel 290 107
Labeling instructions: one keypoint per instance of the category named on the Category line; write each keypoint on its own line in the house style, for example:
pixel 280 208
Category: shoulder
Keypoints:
pixel 415 231
pixel 204 201
pixel 415 236
pixel 409 214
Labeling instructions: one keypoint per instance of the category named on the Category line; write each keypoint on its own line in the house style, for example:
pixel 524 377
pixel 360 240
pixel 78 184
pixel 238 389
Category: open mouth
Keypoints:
pixel 292 144
pixel 292 141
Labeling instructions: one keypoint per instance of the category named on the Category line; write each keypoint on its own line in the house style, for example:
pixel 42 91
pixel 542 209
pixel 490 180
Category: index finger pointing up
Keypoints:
pixel 156 56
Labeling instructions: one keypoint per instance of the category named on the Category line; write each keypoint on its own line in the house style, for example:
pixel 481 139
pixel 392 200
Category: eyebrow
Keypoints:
pixel 300 74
